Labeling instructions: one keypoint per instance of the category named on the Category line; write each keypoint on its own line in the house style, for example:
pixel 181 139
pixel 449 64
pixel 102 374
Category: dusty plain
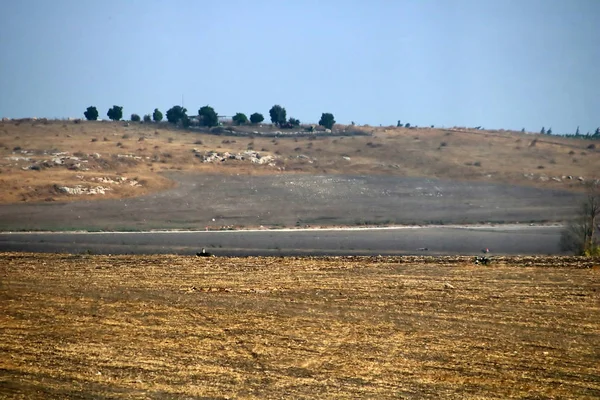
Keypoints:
pixel 165 327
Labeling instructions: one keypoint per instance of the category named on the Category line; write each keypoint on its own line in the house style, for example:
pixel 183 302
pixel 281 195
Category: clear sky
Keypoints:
pixel 496 63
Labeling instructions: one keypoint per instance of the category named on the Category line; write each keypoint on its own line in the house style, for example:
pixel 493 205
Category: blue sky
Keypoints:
pixel 496 63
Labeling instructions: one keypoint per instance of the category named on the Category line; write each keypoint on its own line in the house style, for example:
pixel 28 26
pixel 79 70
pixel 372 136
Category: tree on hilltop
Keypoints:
pixel 91 113
pixel 176 114
pixel 240 119
pixel 157 116
pixel 115 113
pixel 208 116
pixel 278 114
pixel 327 120
pixel 257 118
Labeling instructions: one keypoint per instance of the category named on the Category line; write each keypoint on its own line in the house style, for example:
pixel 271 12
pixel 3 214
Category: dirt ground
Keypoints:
pixel 76 326
pixel 45 161
pixel 219 202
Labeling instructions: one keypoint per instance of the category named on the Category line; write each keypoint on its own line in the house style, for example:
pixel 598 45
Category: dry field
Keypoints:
pixel 79 326
pixel 127 160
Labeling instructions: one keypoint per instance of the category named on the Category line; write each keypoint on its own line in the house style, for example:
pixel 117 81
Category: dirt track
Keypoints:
pixel 219 201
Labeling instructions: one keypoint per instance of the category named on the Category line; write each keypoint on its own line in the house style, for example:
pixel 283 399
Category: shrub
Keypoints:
pixel 580 236
pixel 147 118
pixel 294 122
pixel 592 146
pixel 135 118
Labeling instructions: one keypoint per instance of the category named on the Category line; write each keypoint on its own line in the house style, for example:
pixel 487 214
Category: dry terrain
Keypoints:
pixel 69 160
pixel 163 327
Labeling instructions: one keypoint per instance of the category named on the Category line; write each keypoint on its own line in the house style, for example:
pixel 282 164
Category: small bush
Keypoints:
pixel 147 118
pixel 443 144
pixel 125 136
pixel 477 163
pixel 571 152
pixel 17 148
pixel 540 167
pixel 591 146
pixel 135 118
pixel 198 142
pixel 94 140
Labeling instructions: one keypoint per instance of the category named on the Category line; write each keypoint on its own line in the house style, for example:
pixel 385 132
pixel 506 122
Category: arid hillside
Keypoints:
pixel 67 160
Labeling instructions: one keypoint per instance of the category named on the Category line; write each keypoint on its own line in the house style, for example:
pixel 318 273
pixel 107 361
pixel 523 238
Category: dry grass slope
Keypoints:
pixel 75 326
pixel 142 151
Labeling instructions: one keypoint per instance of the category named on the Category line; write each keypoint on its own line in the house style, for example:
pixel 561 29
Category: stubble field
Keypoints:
pixel 81 326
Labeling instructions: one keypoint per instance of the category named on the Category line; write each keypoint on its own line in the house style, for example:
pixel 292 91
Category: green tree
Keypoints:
pixel 407 125
pixel 91 114
pixel 135 118
pixel 257 118
pixel 278 114
pixel 543 131
pixel 115 113
pixel 240 119
pixel 549 131
pixel 176 114
pixel 294 121
pixel 147 118
pixel 327 120
pixel 597 133
pixel 577 132
pixel 157 116
pixel 208 116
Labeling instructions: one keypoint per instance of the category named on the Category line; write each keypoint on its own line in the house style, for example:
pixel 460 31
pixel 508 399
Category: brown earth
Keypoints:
pixel 140 153
pixel 408 327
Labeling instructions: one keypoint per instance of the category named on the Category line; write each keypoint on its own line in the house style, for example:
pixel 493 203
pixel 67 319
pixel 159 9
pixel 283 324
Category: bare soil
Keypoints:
pixel 93 151
pixel 261 328
pixel 217 202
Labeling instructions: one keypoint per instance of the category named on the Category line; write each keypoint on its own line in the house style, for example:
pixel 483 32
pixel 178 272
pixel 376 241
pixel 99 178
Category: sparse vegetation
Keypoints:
pixel 581 235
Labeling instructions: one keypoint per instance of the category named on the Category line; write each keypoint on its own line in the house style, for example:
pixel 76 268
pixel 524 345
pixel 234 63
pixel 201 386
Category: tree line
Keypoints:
pixel 208 117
